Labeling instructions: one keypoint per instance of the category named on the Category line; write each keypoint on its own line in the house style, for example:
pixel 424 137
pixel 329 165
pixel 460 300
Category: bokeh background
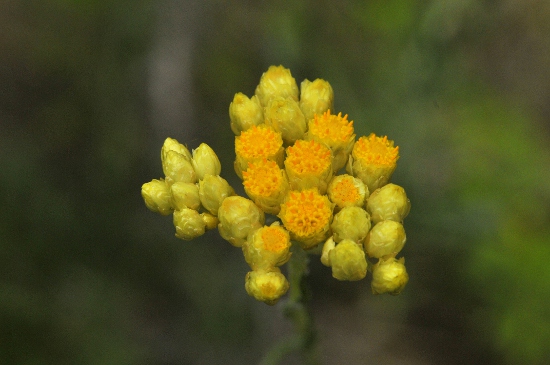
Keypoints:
pixel 89 90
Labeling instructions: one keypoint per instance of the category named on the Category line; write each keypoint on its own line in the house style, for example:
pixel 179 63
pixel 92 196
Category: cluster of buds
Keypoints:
pixel 291 153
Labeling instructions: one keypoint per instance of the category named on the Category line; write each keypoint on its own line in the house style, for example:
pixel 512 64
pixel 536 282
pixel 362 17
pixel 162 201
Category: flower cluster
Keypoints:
pixel 290 150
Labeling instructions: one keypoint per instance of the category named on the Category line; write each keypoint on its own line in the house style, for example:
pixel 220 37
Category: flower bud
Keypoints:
pixel 308 164
pixel 347 191
pixel 348 261
pixel 188 223
pixel 373 160
pixel 266 184
pixel 211 221
pixel 170 144
pixel 325 254
pixel 177 168
pixel 267 247
pixel 256 144
pixel 266 286
pixel 385 238
pixel 389 276
pixel 285 117
pixel 244 113
pixel 315 97
pixel 352 223
pixel 238 217
pixel 185 195
pixel 156 195
pixel 213 189
pixel 205 161
pixel 276 81
pixel 388 202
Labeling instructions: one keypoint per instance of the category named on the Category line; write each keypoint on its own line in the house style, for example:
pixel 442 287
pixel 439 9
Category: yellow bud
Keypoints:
pixel 205 161
pixel 335 132
pixel 327 247
pixel 388 202
pixel 213 189
pixel 267 247
pixel 276 81
pixel 352 223
pixel 385 238
pixel 266 184
pixel 373 160
pixel 177 168
pixel 188 223
pixel 266 286
pixel 211 221
pixel 307 216
pixel 239 217
pixel 256 144
pixel 347 191
pixel 348 261
pixel 170 144
pixel 285 117
pixel 156 195
pixel 244 113
pixel 185 195
pixel 308 164
pixel 315 97
pixel 389 276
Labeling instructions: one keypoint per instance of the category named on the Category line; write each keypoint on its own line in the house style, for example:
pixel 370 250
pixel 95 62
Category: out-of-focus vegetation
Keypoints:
pixel 89 276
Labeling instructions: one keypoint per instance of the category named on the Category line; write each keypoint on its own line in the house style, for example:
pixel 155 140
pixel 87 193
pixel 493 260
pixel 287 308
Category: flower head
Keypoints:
pixel 346 191
pixel 266 286
pixel 266 184
pixel 348 261
pixel 205 161
pixel 389 276
pixel 388 202
pixel 351 223
pixel 276 81
pixel 308 164
pixel 256 144
pixel 315 97
pixel 285 116
pixel 238 218
pixel 156 195
pixel 245 112
pixel 189 224
pixel 267 247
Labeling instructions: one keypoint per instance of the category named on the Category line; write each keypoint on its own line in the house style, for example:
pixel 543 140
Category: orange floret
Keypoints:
pixel 274 239
pixel 331 127
pixel 307 157
pixel 258 142
pixel 375 150
pixel 263 178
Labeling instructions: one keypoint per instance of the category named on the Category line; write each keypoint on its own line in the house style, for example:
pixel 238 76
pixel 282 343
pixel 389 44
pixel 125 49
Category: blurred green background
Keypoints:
pixel 89 89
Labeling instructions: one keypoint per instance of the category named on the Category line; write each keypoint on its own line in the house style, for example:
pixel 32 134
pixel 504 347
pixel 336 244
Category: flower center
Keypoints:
pixel 307 157
pixel 262 178
pixel 376 150
pixel 332 127
pixel 275 239
pixel 345 191
pixel 258 142
pixel 305 212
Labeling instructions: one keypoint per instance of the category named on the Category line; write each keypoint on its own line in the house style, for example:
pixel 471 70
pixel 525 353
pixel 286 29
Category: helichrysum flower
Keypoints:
pixel 315 97
pixel 157 197
pixel 205 161
pixel 266 184
pixel 170 144
pixel 276 81
pixel 307 216
pixel 245 112
pixel 213 189
pixel 348 261
pixel 185 195
pixel 285 116
pixel 267 247
pixel 388 202
pixel 308 164
pixel 385 238
pixel 256 144
pixel 373 160
pixel 334 131
pixel 177 167
pixel 266 286
pixel 352 223
pixel 238 218
pixel 347 191
pixel 189 224
pixel 389 276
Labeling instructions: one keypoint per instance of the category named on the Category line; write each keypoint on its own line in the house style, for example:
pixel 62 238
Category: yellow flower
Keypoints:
pixel 266 184
pixel 388 202
pixel 348 261
pixel 170 144
pixel 373 160
pixel 245 112
pixel 185 195
pixel 177 167
pixel 256 144
pixel 308 164
pixel 315 97
pixel 334 131
pixel 189 224
pixel 156 195
pixel 351 223
pixel 285 116
pixel 389 276
pixel 238 218
pixel 205 161
pixel 347 191
pixel 213 189
pixel 266 286
pixel 276 81
pixel 385 238
pixel 267 247
pixel 307 216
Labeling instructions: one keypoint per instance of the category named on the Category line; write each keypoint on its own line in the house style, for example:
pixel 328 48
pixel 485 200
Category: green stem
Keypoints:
pixel 296 309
